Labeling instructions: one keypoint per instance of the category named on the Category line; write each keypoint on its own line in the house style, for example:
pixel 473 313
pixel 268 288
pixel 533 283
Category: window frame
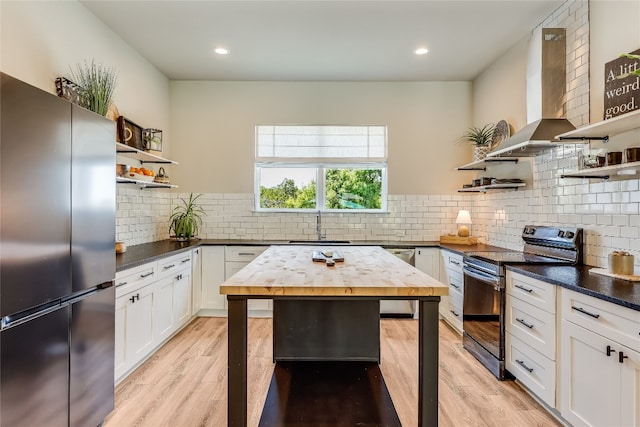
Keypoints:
pixel 320 165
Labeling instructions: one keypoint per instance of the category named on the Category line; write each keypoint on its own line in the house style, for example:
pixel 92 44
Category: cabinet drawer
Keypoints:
pixel 243 253
pixel 174 263
pixel 455 306
pixel 453 262
pixel 532 369
pixel 607 319
pixel 456 282
pixel 532 291
pixel 532 325
pixel 133 278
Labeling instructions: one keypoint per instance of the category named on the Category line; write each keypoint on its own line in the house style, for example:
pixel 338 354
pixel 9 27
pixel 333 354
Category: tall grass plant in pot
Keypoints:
pixel 96 86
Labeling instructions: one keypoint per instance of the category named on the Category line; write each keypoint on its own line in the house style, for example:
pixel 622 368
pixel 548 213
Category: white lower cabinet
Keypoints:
pixel 600 362
pixel 212 278
pixel 135 336
pixel 196 280
pixel 150 310
pixel 451 275
pixel 530 340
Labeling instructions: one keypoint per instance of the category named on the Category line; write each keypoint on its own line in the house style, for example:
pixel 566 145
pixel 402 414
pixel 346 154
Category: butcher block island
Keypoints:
pixel 326 335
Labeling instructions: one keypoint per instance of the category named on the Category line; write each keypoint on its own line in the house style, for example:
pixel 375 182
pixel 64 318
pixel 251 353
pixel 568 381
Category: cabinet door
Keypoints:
pixel 590 380
pixel 120 336
pixel 196 281
pixel 212 277
pixel 182 299
pixel 163 308
pixel 444 278
pixel 139 334
pixel 428 261
pixel 630 390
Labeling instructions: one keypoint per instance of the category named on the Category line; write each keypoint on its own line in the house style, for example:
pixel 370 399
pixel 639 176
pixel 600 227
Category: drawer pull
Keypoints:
pixel 122 283
pixel 246 253
pixel 142 276
pixel 166 267
pixel 454 285
pixel 454 262
pixel 186 260
pixel 610 350
pixel 179 277
pixel 528 290
pixel 454 313
pixel 583 311
pixel 521 363
pixel 621 357
pixel 524 323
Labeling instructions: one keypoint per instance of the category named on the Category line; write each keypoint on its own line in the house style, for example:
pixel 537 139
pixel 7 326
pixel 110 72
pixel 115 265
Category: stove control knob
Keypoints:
pixel 529 230
pixel 569 234
pixel 561 233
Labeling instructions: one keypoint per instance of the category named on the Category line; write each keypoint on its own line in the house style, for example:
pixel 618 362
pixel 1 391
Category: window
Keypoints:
pixel 329 168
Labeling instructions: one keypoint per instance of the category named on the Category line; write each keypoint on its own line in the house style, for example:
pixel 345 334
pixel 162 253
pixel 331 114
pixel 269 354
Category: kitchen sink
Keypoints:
pixel 320 242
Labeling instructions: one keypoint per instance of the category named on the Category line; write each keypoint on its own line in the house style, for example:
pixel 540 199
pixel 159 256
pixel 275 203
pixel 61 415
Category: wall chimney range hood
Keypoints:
pixel 546 97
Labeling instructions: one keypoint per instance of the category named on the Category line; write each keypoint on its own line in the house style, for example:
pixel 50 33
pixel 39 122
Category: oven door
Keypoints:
pixel 483 309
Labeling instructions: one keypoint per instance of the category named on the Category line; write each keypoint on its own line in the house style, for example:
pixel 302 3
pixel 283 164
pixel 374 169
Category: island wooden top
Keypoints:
pixel 366 271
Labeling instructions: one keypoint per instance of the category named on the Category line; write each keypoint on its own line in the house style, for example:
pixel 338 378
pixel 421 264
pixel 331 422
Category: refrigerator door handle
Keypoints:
pixel 27 315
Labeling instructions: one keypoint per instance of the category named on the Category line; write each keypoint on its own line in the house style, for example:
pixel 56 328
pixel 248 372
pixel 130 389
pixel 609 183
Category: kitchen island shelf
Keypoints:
pixel 604 129
pixel 142 156
pixel 485 188
pixel 143 184
pixel 480 165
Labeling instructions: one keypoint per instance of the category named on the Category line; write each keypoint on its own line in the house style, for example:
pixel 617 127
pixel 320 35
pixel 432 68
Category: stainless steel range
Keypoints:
pixel 483 310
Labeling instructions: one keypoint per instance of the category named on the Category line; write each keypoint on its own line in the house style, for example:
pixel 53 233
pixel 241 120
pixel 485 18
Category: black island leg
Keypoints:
pixel 428 325
pixel 237 362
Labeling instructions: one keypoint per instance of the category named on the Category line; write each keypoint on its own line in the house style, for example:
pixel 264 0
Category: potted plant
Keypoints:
pixel 481 139
pixel 96 84
pixel 186 220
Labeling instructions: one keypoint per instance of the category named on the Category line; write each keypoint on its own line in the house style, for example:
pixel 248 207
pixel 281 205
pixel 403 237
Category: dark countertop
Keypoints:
pixel 578 278
pixel 146 252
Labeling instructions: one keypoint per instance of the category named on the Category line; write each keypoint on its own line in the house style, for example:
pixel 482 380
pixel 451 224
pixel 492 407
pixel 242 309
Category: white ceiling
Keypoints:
pixel 322 40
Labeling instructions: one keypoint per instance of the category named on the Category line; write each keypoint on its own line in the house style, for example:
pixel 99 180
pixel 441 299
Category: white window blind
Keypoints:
pixel 320 144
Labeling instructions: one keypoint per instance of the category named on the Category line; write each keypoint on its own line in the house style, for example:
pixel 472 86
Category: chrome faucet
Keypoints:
pixel 319 225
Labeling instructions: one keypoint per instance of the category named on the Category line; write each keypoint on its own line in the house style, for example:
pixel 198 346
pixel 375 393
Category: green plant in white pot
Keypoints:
pixel 186 220
pixel 481 139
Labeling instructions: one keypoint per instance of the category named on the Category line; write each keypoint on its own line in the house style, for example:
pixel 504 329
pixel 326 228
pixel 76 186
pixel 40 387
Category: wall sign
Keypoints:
pixel 621 95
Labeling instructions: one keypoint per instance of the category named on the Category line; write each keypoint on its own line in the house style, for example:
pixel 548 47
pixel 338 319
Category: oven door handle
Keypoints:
pixel 483 277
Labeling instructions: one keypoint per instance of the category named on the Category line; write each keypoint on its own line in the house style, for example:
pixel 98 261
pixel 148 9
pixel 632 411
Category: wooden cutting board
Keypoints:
pixel 605 272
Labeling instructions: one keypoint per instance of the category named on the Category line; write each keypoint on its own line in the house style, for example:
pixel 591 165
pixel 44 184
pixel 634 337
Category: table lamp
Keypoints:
pixel 462 220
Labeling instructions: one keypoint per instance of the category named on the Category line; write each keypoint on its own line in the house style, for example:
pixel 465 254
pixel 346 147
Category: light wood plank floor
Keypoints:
pixel 184 383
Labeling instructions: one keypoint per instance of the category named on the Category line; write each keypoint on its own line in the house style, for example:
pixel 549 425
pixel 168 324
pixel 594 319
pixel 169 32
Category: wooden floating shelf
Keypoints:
pixel 141 156
pixel 143 184
pixel 602 130
pixel 478 165
pixel 485 188
pixel 622 170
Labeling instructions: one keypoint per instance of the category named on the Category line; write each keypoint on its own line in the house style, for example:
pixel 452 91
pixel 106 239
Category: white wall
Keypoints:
pixel 214 123
pixel 41 40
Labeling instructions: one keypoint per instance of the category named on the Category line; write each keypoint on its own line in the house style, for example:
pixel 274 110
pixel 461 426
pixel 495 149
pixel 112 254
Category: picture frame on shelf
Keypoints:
pixel 130 133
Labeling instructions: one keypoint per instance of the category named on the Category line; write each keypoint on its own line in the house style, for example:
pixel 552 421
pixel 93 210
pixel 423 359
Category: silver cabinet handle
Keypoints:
pixel 521 363
pixel 524 323
pixel 583 311
pixel 523 288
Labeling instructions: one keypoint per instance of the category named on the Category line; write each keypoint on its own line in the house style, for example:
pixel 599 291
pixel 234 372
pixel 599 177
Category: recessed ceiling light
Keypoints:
pixel 221 51
pixel 421 51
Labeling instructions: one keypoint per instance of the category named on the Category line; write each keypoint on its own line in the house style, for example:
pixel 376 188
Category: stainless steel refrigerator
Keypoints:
pixel 57 263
